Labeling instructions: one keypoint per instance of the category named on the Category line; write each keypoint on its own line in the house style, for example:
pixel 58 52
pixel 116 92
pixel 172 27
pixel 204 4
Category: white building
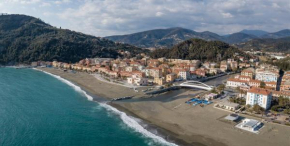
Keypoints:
pixel 137 80
pixel 266 75
pixel 259 96
pixel 250 125
pixel 278 57
pixel 147 72
pixel 129 68
pixel 183 74
pixel 226 105
pixel 234 82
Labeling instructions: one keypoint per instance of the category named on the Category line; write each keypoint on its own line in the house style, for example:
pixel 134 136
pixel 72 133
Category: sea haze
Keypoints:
pixel 39 109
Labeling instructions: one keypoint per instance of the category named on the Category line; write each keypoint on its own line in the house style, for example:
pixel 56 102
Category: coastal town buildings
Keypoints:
pixel 285 83
pixel 170 77
pixel 267 75
pixel 224 66
pixel 277 94
pixel 254 83
pixel 160 71
pixel 214 71
pixel 250 125
pixel 234 82
pixel 138 80
pixel 183 74
pixel 226 105
pixel 250 72
pixel 259 96
pixel 159 81
pixel 201 72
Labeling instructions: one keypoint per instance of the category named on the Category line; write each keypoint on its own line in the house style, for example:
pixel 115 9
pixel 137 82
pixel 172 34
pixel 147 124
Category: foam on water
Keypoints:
pixel 129 121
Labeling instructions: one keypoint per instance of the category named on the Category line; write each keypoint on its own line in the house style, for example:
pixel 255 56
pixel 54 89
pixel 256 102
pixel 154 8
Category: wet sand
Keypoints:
pixel 184 124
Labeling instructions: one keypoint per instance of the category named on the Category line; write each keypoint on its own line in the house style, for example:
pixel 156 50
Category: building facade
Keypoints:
pixel 259 96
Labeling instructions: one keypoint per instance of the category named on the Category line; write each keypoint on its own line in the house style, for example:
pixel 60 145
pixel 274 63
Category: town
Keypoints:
pixel 252 88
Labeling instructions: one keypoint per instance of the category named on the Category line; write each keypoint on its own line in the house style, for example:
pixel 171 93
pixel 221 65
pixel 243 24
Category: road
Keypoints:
pixel 219 80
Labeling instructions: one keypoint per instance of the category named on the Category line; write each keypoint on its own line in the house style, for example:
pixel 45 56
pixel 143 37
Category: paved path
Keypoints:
pixel 97 76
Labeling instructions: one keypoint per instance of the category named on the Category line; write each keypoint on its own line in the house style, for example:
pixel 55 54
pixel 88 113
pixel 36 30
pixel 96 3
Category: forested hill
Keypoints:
pixel 161 38
pixel 199 49
pixel 267 44
pixel 166 38
pixel 24 39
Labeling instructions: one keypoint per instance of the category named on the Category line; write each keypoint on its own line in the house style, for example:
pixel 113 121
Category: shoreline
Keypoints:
pixel 164 133
pixel 185 125
pixel 170 136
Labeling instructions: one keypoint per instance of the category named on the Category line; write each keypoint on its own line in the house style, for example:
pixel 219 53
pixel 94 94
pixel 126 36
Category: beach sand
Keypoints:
pixel 184 124
pixel 94 86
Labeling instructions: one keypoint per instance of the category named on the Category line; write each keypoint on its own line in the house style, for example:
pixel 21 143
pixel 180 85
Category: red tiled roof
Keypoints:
pixel 236 80
pixel 255 81
pixel 259 91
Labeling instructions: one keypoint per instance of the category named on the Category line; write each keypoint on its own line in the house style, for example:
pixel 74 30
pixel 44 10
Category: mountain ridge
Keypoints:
pixel 166 38
pixel 158 37
pixel 257 33
pixel 267 44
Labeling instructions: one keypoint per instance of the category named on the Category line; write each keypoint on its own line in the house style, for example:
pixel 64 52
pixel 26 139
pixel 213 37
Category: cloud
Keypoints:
pixel 58 2
pixel 45 4
pixel 159 14
pixel 22 1
pixel 112 17
pixel 221 16
pixel 227 15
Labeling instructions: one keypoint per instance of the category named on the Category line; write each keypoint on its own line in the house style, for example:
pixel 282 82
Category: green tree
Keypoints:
pixel 221 87
pixel 287 111
pixel 214 91
pixel 283 102
pixel 248 106
pixel 275 108
pixel 262 111
pixel 257 108
pixel 262 84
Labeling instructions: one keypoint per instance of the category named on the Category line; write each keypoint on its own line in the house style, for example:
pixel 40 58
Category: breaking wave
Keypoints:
pixel 129 121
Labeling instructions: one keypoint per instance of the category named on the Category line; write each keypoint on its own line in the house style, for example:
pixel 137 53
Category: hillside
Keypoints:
pixel 162 38
pixel 198 49
pixel 238 37
pixel 257 33
pixel 166 38
pixel 279 34
pixel 278 45
pixel 25 39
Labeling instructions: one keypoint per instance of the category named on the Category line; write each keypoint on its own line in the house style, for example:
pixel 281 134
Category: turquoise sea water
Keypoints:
pixel 37 109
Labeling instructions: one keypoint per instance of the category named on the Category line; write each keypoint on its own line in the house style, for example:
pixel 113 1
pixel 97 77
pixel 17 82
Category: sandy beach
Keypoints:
pixel 186 125
pixel 94 86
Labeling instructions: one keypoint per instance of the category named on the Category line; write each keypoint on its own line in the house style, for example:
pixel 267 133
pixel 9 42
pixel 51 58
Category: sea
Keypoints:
pixel 41 109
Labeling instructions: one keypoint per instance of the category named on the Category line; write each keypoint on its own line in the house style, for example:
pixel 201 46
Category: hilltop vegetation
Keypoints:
pixel 199 49
pixel 162 38
pixel 283 64
pixel 24 39
pixel 278 45
pixel 166 38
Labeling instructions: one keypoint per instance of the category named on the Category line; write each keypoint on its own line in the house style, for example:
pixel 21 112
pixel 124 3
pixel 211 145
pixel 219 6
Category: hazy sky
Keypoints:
pixel 112 17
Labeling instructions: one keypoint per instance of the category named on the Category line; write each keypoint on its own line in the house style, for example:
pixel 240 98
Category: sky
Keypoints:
pixel 117 17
